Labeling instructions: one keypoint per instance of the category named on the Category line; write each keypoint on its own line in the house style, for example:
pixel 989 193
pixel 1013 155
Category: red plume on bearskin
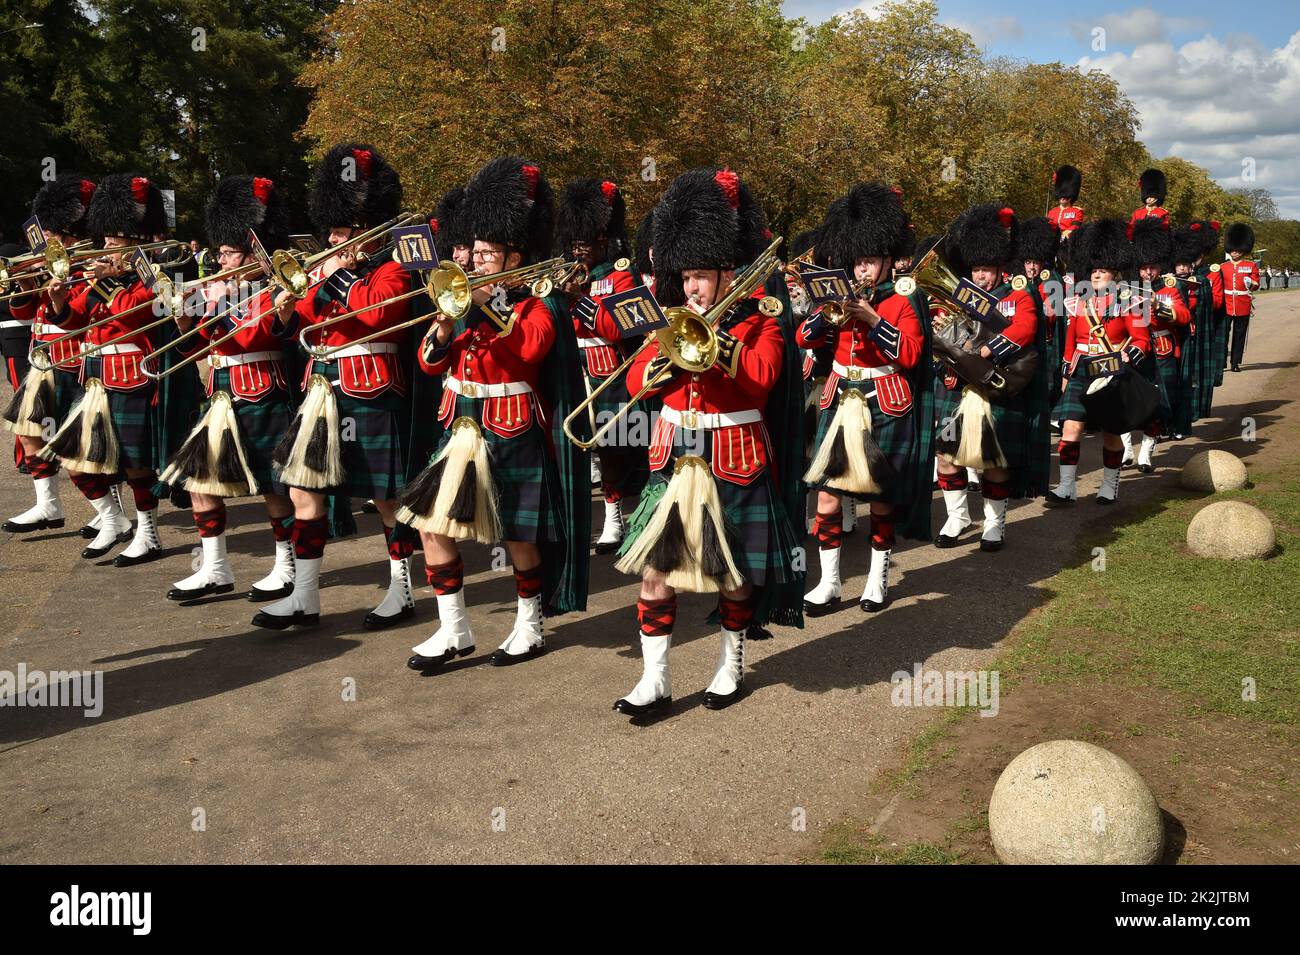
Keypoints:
pixel 241 203
pixel 588 208
pixel 126 205
pixel 509 202
pixel 61 205
pixel 985 234
pixel 354 187
pixel 1208 232
pixel 706 219
pixel 866 221
pixel 1188 245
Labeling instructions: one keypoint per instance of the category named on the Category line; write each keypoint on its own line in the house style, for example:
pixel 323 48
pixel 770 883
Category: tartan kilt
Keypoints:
pixel 1010 421
pixel 67 392
pixel 762 539
pixel 374 461
pixel 1221 324
pixel 1163 373
pixel 896 436
pixel 518 464
pixel 261 425
pixel 1070 407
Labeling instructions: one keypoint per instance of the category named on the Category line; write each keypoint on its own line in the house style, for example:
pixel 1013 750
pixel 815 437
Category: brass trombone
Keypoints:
pixel 58 262
pixel 450 288
pixel 689 341
pixel 836 313
pixel 289 268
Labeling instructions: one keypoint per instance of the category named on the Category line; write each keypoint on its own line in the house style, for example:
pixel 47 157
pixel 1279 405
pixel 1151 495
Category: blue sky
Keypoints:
pixel 1215 83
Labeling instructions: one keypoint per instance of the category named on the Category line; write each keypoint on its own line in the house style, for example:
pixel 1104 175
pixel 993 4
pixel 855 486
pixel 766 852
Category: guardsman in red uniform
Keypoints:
pixel 1067 215
pixel 867 432
pixel 348 435
pixel 43 397
pixel 228 453
pixel 1240 278
pixel 711 519
pixel 496 475
pixel 999 436
pixel 1100 255
pixel 1153 251
pixel 590 228
pixel 1211 274
pixel 1153 184
pixel 111 429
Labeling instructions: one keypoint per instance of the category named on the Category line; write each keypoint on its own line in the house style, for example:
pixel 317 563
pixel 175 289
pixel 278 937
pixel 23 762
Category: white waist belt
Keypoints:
pixel 1161 333
pixel 1230 292
pixel 856 373
pixel 474 389
pixel 247 358
pixel 593 343
pixel 355 351
pixel 127 349
pixel 707 421
pixel 45 328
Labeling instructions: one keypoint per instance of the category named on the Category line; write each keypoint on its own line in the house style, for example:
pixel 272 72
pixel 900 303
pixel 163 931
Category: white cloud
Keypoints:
pixel 1139 25
pixel 991 30
pixel 1217 103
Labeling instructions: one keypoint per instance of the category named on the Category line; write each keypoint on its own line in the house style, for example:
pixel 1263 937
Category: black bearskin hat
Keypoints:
pixel 509 202
pixel 804 241
pixel 644 239
pixel 1239 238
pixel 985 234
pixel 448 221
pixel 1153 243
pixel 867 221
pixel 1207 231
pixel 1152 182
pixel 1188 245
pixel 241 203
pixel 907 244
pixel 707 219
pixel 1102 244
pixel 1066 183
pixel 61 205
pixel 354 187
pixel 126 205
pixel 1037 241
pixel 589 208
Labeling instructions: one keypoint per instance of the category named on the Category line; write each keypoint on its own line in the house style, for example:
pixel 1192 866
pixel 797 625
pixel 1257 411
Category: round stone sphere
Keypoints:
pixel 1213 471
pixel 1071 803
pixel 1231 530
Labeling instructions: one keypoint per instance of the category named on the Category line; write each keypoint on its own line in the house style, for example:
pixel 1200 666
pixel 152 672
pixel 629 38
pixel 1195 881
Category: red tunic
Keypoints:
pixel 1124 325
pixel 1065 220
pixel 1166 334
pixel 1239 280
pixel 36 308
pixel 121 360
pixel 1155 212
pixel 373 372
pixel 478 357
pixel 598 338
pixel 252 356
pixel 1216 286
pixel 741 451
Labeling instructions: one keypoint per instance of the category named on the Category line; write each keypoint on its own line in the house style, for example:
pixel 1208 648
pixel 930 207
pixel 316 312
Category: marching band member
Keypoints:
pixel 1003 437
pixel 349 433
pixel 590 229
pixel 228 453
pixel 1240 279
pixel 1211 273
pixel 509 373
pixel 1153 185
pixel 111 429
pixel 1195 340
pixel 1100 255
pixel 870 422
pixel 1036 248
pixel 1153 253
pixel 711 518
pixel 45 396
pixel 1066 216
pixel 644 239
